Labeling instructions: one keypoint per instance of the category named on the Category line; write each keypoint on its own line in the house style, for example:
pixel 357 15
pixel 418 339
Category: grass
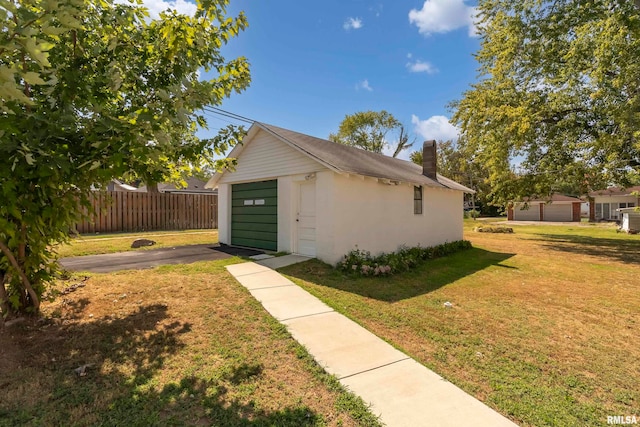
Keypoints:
pixel 176 345
pixel 111 243
pixel 544 324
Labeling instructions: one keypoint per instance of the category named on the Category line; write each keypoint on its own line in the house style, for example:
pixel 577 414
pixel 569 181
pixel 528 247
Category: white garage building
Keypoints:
pixel 557 208
pixel 296 193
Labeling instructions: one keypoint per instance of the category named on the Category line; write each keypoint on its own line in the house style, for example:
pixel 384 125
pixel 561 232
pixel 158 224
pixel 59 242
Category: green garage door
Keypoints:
pixel 254 215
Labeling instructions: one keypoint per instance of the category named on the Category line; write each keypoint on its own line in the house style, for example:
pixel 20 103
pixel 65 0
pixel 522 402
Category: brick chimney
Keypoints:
pixel 429 159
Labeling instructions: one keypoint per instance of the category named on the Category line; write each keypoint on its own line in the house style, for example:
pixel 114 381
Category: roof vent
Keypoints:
pixel 429 159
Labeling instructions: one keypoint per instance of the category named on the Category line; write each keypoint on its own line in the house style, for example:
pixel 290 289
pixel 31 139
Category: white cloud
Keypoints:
pixel 376 10
pixel 421 67
pixel 183 7
pixel 364 85
pixel 442 16
pixel 352 24
pixel 409 55
pixel 435 127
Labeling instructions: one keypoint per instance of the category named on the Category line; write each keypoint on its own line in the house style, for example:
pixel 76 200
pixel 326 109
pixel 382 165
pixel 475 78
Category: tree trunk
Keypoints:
pixel 4 300
pixel 35 301
pixel 152 187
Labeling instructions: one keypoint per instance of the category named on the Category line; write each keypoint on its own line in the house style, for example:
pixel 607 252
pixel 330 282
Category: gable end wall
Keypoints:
pixel 266 157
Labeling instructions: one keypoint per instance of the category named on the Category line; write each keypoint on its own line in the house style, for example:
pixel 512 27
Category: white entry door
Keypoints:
pixel 306 219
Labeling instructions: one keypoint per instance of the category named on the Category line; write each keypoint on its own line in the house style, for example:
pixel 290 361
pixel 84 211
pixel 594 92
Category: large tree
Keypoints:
pixel 89 91
pixel 558 102
pixel 371 131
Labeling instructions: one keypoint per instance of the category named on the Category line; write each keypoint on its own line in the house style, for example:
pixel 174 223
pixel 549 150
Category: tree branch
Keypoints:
pixel 22 247
pixel 27 24
pixel 4 299
pixel 23 277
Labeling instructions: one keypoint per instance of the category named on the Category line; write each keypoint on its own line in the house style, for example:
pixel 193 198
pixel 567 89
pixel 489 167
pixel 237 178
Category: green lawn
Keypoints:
pixel 544 324
pixel 121 242
pixel 175 345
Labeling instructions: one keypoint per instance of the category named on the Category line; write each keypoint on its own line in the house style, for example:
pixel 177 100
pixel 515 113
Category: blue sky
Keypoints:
pixel 314 62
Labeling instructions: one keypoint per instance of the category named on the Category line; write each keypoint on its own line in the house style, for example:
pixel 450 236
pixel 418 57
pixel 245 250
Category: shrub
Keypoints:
pixel 360 262
pixel 471 214
pixel 488 229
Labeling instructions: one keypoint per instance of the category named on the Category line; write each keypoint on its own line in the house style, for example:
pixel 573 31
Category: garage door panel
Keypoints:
pixel 253 243
pixel 268 201
pixel 252 193
pixel 531 214
pixel 254 214
pixel 258 185
pixel 266 219
pixel 560 213
pixel 270 228
pixel 255 210
pixel 256 235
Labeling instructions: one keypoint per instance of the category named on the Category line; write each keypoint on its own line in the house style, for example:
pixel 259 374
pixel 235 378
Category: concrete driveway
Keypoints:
pixel 142 259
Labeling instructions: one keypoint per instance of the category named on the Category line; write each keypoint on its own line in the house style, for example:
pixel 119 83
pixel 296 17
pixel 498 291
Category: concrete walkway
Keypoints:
pixel 400 390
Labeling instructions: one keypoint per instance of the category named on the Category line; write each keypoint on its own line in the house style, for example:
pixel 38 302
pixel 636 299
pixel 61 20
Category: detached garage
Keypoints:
pixel 292 192
pixel 558 208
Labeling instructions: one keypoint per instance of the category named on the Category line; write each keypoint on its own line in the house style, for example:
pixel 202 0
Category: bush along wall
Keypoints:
pixel 362 263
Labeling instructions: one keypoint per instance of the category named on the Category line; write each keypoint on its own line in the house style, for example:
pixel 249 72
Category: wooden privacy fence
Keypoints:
pixel 121 211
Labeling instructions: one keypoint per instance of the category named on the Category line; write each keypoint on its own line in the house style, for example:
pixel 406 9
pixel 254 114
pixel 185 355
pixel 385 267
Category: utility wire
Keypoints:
pixel 233 114
pixel 228 114
pixel 211 116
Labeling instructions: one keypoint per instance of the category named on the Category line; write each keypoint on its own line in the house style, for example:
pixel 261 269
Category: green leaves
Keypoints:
pixel 91 91
pixel 366 130
pixel 33 78
pixel 557 108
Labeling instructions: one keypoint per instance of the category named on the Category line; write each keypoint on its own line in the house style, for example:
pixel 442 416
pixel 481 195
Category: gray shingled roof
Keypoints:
pixel 555 197
pixel 345 159
pixel 615 191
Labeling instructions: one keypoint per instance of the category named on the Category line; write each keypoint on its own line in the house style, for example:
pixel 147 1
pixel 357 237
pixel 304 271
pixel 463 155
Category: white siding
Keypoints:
pixel 558 212
pixel 266 157
pixel 285 214
pixel 327 213
pixel 531 214
pixel 379 218
pixel 631 221
pixel 224 214
pixel 615 199
pixel 605 206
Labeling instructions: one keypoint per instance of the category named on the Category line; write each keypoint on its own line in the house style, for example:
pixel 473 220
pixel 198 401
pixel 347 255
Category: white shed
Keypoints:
pixel 630 220
pixel 296 193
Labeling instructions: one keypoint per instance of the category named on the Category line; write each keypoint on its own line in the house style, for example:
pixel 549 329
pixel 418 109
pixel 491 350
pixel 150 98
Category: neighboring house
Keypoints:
pixel 630 219
pixel 116 185
pixel 297 193
pixel 604 204
pixel 558 208
pixel 194 186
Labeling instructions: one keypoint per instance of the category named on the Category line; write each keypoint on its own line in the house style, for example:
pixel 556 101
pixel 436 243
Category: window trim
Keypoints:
pixel 418 207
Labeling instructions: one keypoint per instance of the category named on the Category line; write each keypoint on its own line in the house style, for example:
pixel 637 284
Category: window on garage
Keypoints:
pixel 417 200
